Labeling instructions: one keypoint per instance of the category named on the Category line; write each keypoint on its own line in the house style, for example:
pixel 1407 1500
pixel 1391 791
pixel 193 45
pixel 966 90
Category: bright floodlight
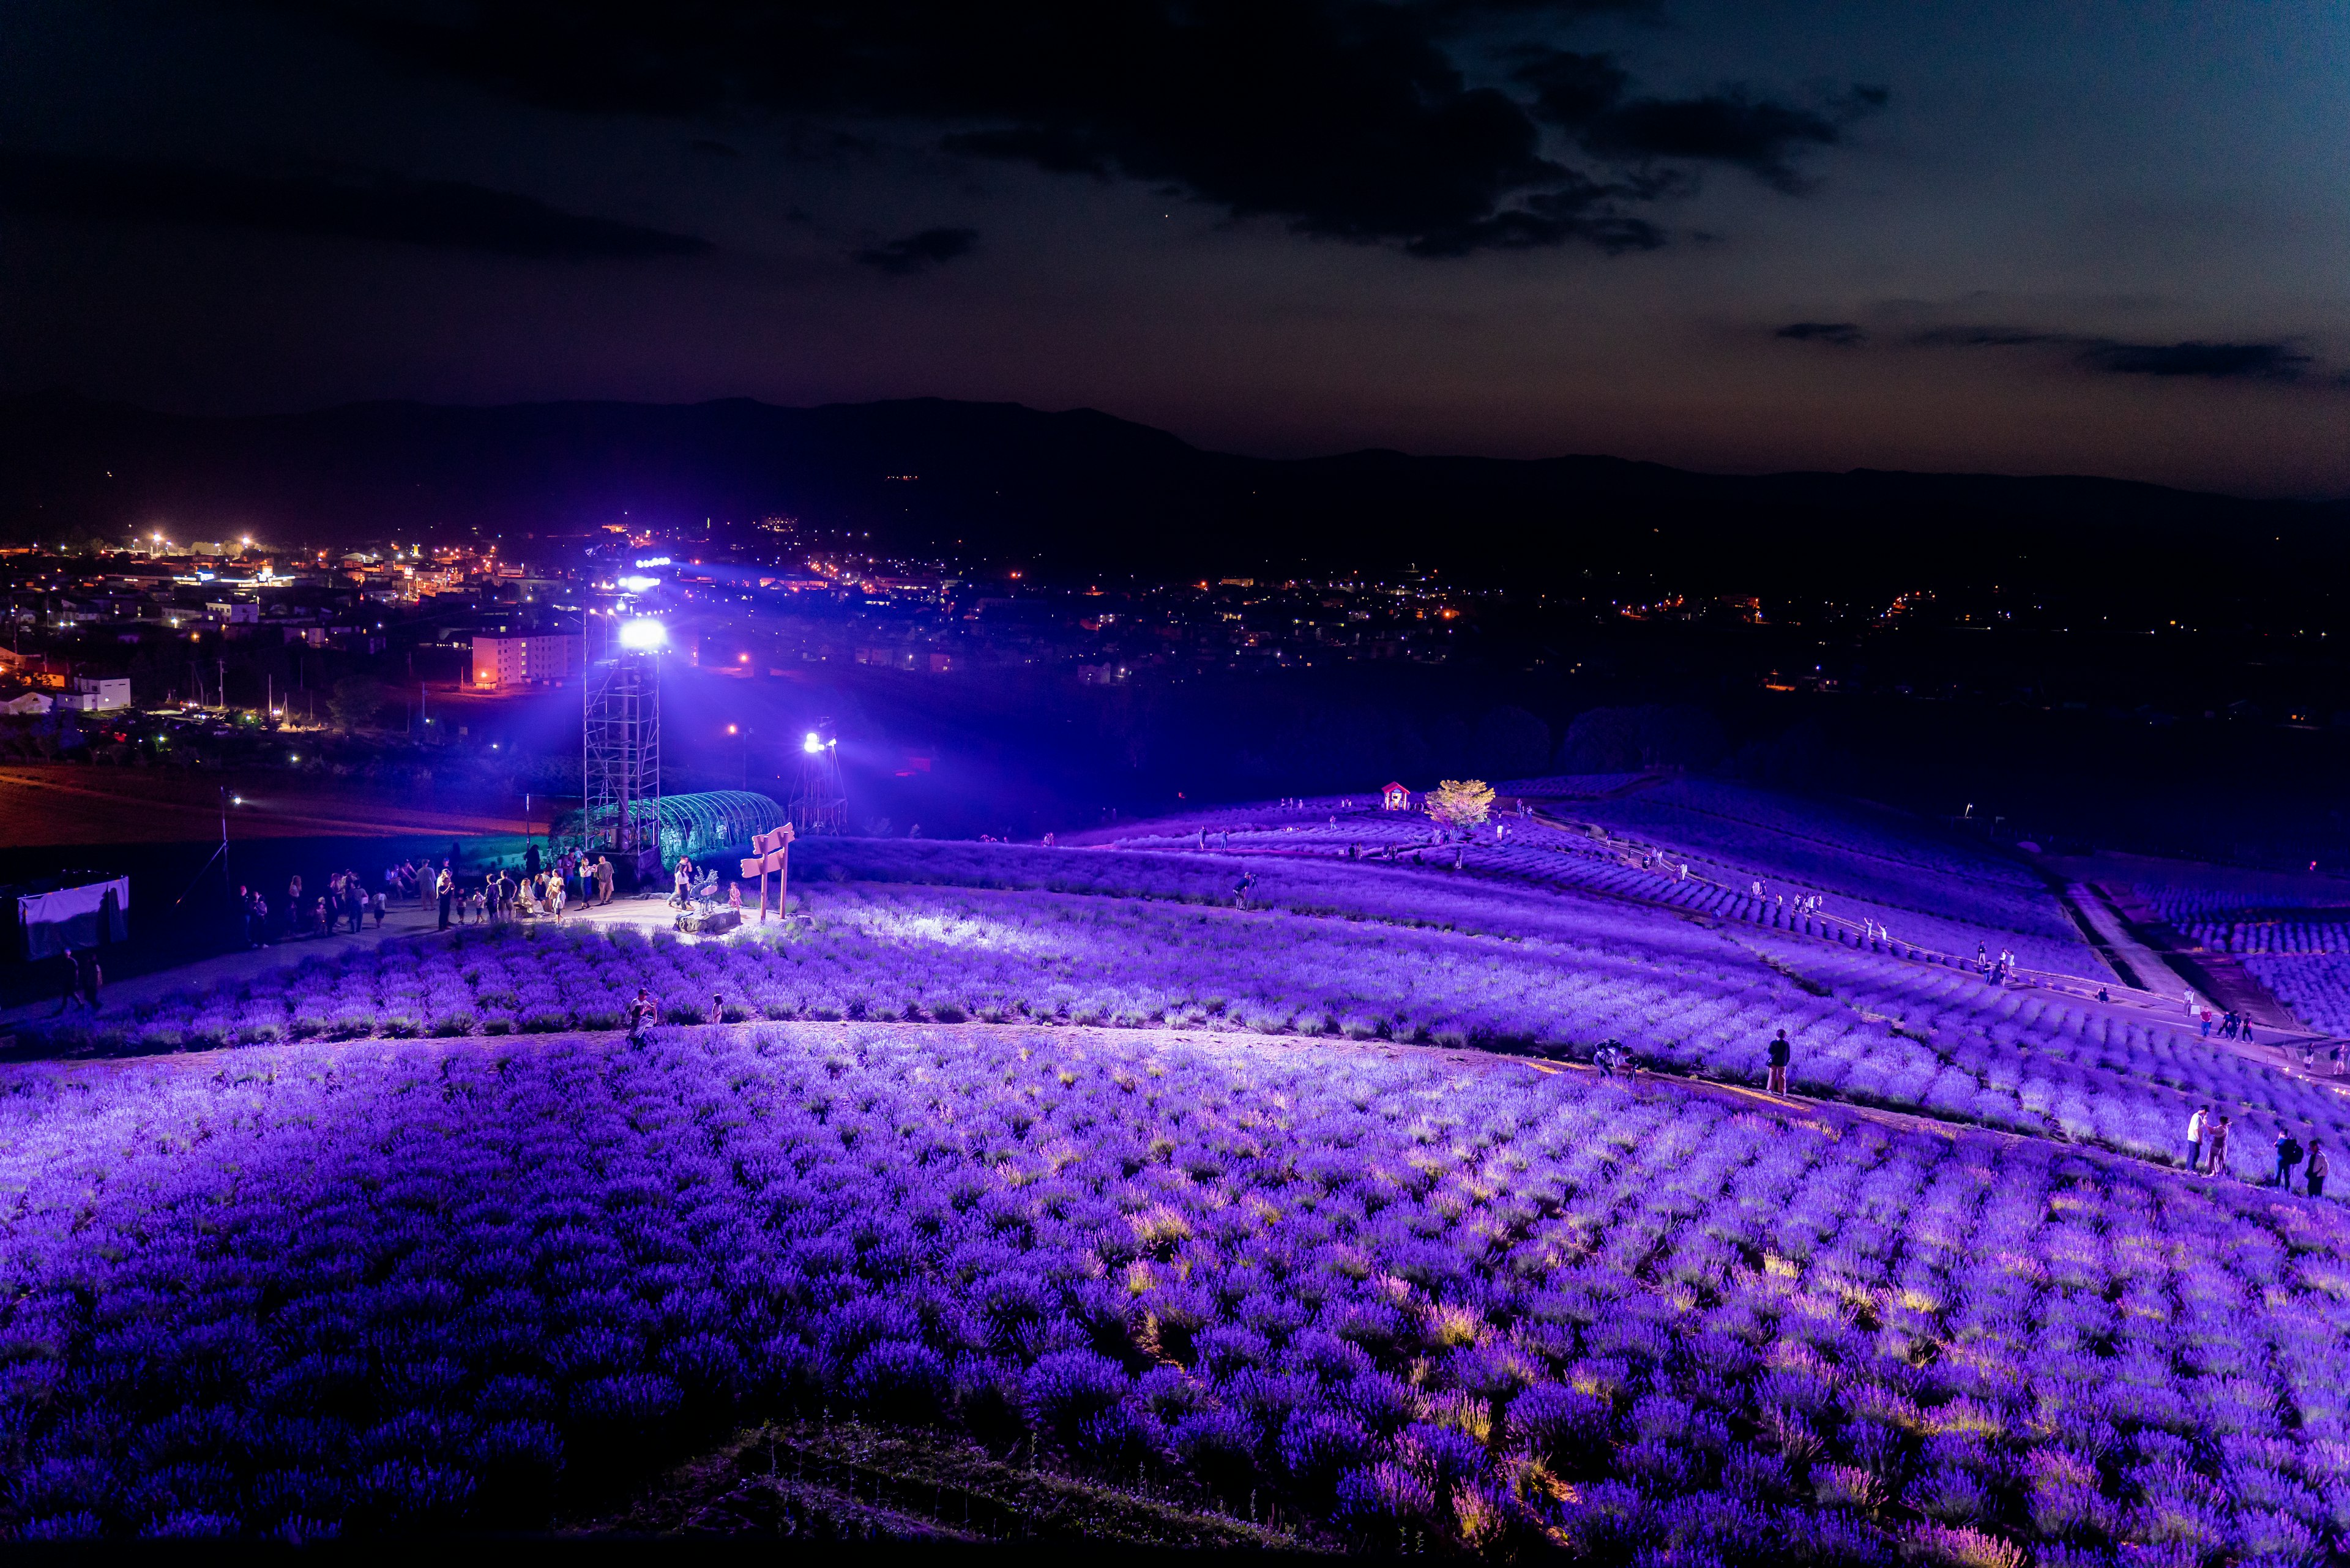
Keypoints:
pixel 813 744
pixel 640 585
pixel 643 633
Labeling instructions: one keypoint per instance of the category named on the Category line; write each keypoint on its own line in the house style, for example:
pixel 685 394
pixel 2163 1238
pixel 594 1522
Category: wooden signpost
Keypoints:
pixel 770 852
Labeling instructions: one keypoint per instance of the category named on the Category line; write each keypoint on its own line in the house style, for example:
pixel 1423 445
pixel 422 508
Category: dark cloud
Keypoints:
pixel 1573 89
pixel 2194 358
pixel 1728 127
pixel 920 252
pixel 368 205
pixel 1348 118
pixel 2210 362
pixel 1841 334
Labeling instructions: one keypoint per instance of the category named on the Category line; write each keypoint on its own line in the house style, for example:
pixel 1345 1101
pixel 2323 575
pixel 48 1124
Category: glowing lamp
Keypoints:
pixel 813 744
pixel 644 633
pixel 640 585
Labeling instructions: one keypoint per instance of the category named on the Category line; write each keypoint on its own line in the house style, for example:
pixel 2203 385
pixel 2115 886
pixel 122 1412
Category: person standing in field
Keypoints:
pixel 1780 1054
pixel 2317 1169
pixel 2288 1155
pixel 2195 1125
pixel 2218 1138
pixel 640 1012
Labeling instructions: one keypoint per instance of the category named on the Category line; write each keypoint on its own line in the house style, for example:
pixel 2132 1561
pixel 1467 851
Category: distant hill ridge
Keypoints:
pixel 1082 493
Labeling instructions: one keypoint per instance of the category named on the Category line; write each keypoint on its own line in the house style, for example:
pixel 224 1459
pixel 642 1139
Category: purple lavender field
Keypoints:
pixel 1078 1193
pixel 1405 1298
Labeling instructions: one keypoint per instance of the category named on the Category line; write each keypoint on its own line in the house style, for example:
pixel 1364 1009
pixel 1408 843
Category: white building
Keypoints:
pixel 97 694
pixel 501 662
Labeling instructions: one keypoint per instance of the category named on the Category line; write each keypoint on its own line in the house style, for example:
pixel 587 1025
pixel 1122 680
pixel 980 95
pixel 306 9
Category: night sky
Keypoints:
pixel 2080 238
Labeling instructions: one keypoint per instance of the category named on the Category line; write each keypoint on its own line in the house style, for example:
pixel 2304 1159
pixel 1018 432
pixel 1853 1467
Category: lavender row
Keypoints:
pixel 1903 869
pixel 2316 986
pixel 1887 1034
pixel 399 1286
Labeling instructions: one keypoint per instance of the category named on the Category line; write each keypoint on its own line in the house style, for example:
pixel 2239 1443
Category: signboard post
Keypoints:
pixel 770 852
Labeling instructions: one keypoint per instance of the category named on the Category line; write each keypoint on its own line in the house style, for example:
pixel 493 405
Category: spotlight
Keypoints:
pixel 813 744
pixel 644 633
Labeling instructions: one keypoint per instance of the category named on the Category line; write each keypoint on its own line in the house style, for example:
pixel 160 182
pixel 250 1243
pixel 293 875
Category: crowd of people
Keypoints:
pixel 537 885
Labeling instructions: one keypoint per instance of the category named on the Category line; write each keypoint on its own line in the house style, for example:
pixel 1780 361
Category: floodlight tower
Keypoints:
pixel 621 769
pixel 820 798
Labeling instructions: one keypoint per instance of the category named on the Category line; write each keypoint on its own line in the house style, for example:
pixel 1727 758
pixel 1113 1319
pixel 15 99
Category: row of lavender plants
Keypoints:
pixel 341 1289
pixel 2060 1058
pixel 2273 936
pixel 2192 893
pixel 1920 1040
pixel 2316 986
pixel 1901 867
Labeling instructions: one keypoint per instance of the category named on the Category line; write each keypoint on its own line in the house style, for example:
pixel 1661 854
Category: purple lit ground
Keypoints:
pixel 1409 1295
pixel 1215 1224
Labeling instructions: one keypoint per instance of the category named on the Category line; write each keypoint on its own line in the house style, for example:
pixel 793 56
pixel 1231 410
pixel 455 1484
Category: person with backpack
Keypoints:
pixel 1780 1054
pixel 2288 1155
pixel 2317 1169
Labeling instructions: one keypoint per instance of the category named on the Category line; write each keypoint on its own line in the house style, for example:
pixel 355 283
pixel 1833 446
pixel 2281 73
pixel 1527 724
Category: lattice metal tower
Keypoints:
pixel 819 796
pixel 620 770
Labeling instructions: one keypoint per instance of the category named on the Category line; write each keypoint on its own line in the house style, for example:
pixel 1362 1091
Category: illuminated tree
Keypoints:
pixel 1461 803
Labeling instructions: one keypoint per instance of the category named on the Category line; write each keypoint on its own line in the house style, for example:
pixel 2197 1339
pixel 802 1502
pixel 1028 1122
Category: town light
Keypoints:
pixel 644 633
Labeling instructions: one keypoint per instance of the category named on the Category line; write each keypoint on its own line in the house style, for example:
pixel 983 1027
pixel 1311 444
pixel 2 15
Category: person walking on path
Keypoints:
pixel 2195 1125
pixel 603 878
pixel 557 891
pixel 2317 1169
pixel 2288 1155
pixel 378 909
pixel 684 882
pixel 446 887
pixel 2217 1157
pixel 1780 1054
